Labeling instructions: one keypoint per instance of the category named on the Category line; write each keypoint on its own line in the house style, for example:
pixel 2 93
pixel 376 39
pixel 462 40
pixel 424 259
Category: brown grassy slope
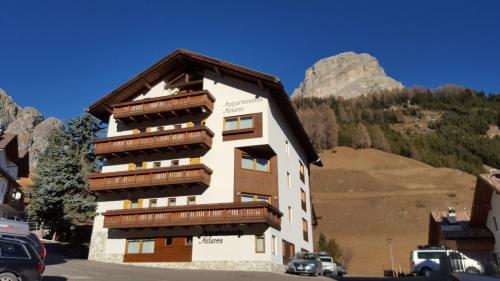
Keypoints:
pixel 366 196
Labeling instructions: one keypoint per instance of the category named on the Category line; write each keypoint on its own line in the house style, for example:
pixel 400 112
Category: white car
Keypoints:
pixel 329 265
pixel 427 259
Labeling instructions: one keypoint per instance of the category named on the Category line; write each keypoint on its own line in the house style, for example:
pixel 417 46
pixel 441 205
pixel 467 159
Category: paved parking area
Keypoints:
pixel 62 269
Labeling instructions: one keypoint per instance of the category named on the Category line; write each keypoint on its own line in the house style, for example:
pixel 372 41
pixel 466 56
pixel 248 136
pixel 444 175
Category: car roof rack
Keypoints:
pixel 432 247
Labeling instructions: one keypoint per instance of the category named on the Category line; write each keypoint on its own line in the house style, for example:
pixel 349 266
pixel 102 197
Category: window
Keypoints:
pixel 260 244
pixel 134 203
pixel 172 202
pixel 152 203
pixel 287 147
pixel 290 214
pixel 274 245
pixel 495 223
pixel 148 246
pixel 177 126
pixel 13 250
pixel 246 198
pixel 189 241
pixel 303 200
pixel 169 241
pixel 157 164
pixel 255 198
pixel 161 129
pixel 133 246
pixel 301 171
pixel 288 179
pixel 191 200
pixel 175 163
pixel 257 164
pixel 305 230
pixel 238 122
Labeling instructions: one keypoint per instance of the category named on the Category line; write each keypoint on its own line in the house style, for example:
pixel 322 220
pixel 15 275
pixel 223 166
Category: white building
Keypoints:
pixel 206 166
pixel 486 204
pixel 14 163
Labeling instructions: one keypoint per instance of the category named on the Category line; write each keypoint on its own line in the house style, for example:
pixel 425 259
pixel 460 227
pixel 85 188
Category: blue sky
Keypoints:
pixel 61 56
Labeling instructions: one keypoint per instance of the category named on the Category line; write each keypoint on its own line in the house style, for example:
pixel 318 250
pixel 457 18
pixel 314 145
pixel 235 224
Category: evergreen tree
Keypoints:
pixel 322 243
pixel 60 197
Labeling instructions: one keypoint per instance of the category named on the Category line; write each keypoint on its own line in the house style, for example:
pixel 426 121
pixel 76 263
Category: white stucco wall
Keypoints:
pixel 495 212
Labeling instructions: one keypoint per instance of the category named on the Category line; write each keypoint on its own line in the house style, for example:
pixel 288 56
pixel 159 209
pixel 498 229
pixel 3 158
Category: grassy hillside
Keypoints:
pixel 366 196
pixel 449 127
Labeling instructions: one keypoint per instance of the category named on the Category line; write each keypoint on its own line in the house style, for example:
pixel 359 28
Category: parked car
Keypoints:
pixel 341 270
pixel 427 259
pixel 305 263
pixel 329 265
pixel 19 261
pixel 20 230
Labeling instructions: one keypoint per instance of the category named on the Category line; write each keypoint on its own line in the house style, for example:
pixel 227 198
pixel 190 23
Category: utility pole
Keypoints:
pixel 389 240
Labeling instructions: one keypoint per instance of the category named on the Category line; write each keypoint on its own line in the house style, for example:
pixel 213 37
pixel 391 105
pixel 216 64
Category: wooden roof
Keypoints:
pixel 183 60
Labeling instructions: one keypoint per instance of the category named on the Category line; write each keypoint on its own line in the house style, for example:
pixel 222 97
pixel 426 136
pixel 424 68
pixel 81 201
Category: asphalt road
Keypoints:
pixel 60 268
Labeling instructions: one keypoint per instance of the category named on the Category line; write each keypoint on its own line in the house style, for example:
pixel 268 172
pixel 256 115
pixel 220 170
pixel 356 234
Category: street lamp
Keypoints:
pixel 389 240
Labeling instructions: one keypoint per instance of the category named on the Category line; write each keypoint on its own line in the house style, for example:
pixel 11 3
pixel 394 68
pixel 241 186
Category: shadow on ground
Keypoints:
pixel 54 278
pixel 58 253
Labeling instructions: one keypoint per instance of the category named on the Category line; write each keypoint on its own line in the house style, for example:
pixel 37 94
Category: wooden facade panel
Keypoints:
pixel 256 182
pixel 177 252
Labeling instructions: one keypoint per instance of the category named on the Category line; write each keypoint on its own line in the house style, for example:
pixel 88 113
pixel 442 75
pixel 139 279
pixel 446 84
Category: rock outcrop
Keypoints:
pixel 31 128
pixel 345 75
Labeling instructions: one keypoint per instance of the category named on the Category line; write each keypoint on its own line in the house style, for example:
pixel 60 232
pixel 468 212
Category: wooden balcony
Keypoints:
pixel 186 175
pixel 146 143
pixel 194 215
pixel 177 105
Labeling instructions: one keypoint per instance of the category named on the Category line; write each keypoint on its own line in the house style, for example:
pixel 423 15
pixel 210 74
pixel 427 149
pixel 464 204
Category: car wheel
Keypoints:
pixel 425 272
pixel 472 270
pixel 6 276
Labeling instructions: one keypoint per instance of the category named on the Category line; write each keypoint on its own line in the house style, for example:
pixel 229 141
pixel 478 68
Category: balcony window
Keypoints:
pixel 238 122
pixel 153 203
pixel 260 244
pixel 255 198
pixel 172 202
pixel 257 164
pixel 175 163
pixel 157 164
pixel 191 200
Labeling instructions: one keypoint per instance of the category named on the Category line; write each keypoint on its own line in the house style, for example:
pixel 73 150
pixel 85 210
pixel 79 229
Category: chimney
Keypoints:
pixel 452 216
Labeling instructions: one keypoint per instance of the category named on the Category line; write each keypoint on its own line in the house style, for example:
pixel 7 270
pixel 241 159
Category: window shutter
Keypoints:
pixel 190 124
pixel 136 131
pixel 194 160
pixel 144 165
pixel 126 204
pixel 148 129
pixel 139 203
pixel 131 166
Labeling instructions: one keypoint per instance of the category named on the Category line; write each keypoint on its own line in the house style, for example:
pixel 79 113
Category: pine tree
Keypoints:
pixel 322 243
pixel 361 137
pixel 60 197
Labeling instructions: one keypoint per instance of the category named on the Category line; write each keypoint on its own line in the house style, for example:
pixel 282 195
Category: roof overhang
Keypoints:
pixel 183 60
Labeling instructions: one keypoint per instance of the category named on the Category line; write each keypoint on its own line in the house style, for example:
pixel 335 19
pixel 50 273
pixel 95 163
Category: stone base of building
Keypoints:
pixel 197 265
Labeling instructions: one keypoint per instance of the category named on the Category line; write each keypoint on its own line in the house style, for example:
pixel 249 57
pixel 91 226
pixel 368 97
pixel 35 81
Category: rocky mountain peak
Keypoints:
pixel 346 75
pixel 31 128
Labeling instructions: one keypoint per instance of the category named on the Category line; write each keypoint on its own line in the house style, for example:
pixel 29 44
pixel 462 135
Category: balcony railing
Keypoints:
pixel 171 140
pixel 164 107
pixel 196 174
pixel 194 215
